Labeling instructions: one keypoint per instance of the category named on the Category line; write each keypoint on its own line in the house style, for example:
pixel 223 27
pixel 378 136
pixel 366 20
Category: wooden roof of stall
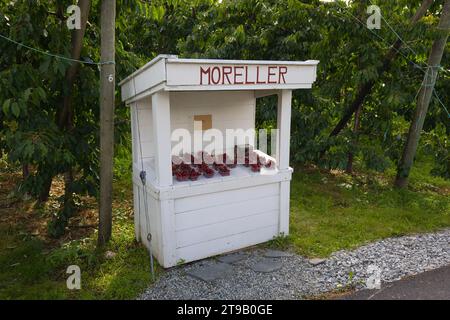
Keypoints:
pixel 169 73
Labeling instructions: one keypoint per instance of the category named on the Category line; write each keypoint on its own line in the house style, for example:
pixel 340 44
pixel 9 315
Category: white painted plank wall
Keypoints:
pixel 225 229
pixel 154 220
pixel 136 213
pixel 145 119
pixel 223 245
pixel 229 110
pixel 168 240
pixel 215 215
pixel 226 219
pixel 217 198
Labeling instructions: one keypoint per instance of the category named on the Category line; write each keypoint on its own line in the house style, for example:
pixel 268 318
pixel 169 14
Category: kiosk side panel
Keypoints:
pixel 215 223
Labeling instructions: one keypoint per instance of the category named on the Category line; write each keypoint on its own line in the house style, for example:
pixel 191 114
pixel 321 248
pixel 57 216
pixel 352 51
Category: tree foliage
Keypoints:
pixel 32 84
pixel 349 54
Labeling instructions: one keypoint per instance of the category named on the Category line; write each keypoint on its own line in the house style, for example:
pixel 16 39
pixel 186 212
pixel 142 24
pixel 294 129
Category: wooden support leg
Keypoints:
pixel 168 240
pixel 284 128
pixel 162 134
pixel 283 142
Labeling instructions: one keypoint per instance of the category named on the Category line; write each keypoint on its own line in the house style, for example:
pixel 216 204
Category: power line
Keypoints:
pixel 424 70
pixel 381 38
pixel 442 104
pixel 415 53
pixel 405 44
pixel 403 41
pixel 55 55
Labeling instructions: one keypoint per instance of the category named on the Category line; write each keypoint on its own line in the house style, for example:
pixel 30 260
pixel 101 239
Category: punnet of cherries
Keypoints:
pixel 190 167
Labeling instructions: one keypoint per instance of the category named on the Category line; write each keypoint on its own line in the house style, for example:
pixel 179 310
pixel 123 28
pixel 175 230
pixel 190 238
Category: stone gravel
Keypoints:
pixel 298 278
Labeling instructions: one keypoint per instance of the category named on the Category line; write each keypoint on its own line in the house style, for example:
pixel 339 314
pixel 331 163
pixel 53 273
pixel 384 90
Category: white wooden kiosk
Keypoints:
pixel 191 220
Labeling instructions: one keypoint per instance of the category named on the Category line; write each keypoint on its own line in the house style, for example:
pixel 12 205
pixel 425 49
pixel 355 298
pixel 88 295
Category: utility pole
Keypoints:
pixel 107 92
pixel 424 98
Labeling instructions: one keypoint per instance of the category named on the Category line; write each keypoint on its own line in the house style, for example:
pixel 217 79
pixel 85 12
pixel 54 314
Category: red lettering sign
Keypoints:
pixel 202 72
pixel 270 74
pixel 238 74
pixel 247 75
pixel 226 72
pixel 281 72
pixel 215 75
pixel 257 77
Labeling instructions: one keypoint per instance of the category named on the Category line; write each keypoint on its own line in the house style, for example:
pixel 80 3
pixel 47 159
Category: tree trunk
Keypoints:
pixel 25 171
pixel 65 116
pixel 365 89
pixel 349 168
pixel 107 92
pixel 45 190
pixel 65 113
pixel 424 98
pixel 68 179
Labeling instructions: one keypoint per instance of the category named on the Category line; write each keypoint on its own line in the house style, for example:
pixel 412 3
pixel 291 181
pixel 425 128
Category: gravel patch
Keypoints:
pixel 298 278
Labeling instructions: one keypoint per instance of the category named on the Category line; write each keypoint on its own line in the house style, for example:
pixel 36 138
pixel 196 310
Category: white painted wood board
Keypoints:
pixel 169 73
pixel 227 244
pixel 230 211
pixel 224 229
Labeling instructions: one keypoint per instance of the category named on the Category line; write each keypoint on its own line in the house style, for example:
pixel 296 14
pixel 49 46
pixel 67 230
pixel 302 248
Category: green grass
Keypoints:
pixel 30 270
pixel 35 268
pixel 333 212
pixel 329 212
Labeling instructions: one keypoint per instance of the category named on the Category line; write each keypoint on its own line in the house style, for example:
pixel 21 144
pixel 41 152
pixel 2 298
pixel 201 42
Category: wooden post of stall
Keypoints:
pixel 163 170
pixel 282 155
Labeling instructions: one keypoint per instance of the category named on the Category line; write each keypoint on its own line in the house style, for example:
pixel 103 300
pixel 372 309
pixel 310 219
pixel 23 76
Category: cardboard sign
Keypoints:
pixel 204 122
